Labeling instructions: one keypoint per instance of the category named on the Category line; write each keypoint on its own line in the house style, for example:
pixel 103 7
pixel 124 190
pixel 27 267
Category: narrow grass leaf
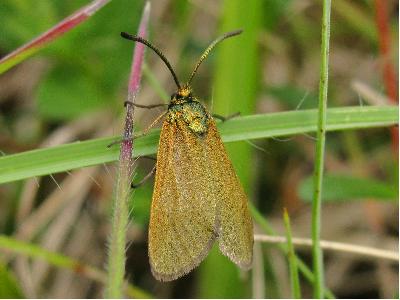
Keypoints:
pixel 52 34
pixel 93 152
pixel 293 268
pixel 11 245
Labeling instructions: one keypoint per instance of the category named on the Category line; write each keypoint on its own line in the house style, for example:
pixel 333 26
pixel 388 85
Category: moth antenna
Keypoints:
pixel 209 48
pixel 139 39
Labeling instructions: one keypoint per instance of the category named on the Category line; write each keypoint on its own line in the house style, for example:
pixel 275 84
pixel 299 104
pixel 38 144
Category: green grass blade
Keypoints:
pixel 54 33
pixel 303 268
pixel 93 152
pixel 318 263
pixel 9 286
pixel 61 261
pixel 293 268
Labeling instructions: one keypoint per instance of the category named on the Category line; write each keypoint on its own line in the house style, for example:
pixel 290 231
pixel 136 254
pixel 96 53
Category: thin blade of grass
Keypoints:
pixel 52 34
pixel 117 243
pixel 294 272
pixel 8 244
pixel 303 268
pixel 93 152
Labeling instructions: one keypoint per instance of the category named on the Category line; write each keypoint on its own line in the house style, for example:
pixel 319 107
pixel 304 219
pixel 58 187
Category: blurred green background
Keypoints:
pixel 74 90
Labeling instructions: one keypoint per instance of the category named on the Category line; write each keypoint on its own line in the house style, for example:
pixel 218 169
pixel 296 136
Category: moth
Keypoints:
pixel 197 198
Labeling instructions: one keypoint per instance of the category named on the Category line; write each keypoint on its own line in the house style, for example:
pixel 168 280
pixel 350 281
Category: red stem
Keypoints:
pixel 389 75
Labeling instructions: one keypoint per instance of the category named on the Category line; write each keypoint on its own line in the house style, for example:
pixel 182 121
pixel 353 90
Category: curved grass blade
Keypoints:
pixel 12 245
pixel 93 152
pixel 52 34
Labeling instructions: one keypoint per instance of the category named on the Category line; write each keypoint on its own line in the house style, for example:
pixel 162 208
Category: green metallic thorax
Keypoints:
pixel 191 111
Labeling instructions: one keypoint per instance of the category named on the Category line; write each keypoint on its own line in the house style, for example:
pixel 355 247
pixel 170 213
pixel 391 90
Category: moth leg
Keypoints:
pixel 126 103
pixel 135 136
pixel 145 178
pixel 223 119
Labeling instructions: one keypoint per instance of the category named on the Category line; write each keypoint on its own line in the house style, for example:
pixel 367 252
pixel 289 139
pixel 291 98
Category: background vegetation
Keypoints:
pixel 73 90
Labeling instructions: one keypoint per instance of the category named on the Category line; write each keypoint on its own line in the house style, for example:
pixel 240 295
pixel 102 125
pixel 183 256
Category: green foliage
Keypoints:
pixel 342 188
pixel 293 97
pixel 139 202
pixel 9 287
pixel 19 24
pixel 274 11
pixel 56 102
pixel 87 66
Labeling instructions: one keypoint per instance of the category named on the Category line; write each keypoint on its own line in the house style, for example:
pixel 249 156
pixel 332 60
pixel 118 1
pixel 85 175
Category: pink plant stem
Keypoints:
pixel 133 88
pixel 117 244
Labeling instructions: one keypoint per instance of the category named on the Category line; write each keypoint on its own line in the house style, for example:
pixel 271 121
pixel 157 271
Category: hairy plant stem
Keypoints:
pixel 319 154
pixel 116 255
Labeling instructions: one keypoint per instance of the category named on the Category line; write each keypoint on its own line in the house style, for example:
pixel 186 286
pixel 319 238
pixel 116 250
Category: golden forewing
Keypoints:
pixel 197 196
pixel 182 222
pixel 236 226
